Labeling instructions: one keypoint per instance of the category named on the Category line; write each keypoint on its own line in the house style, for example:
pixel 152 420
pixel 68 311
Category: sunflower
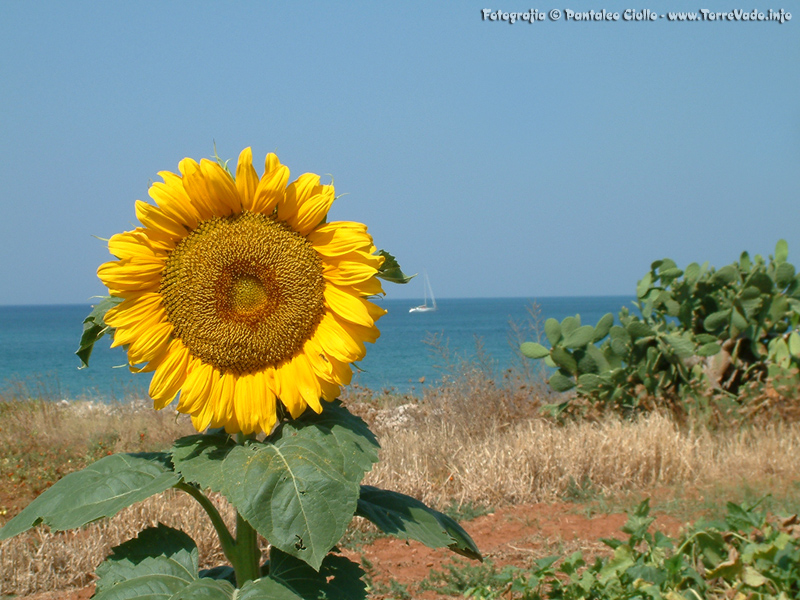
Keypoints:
pixel 239 296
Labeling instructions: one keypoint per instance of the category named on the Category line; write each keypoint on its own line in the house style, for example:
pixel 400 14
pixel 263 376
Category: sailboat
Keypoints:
pixel 424 307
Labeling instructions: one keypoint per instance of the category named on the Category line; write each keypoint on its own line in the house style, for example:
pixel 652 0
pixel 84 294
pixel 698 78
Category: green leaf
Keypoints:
pixel 743 518
pixel 781 251
pixel 671 273
pixel 589 382
pixel 716 320
pixel 622 561
pixel 355 446
pixel 534 350
pixel 100 490
pixel 738 320
pixel 552 329
pixel 794 344
pixel 291 494
pixel 158 564
pixel 639 329
pixel 709 349
pixel 564 359
pixel 603 327
pixel 692 272
pixel 199 458
pixel 300 488
pixel 290 579
pixel 570 324
pixel 579 337
pixel 390 269
pixel 644 285
pixel 599 359
pixel 752 577
pixel 784 274
pixel 206 589
pixel 94 327
pixel 726 275
pixel 683 347
pixel 408 518
pixel 744 262
pixel 560 382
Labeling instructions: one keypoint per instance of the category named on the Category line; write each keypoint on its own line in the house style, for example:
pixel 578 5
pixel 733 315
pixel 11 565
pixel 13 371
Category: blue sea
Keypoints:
pixel 37 345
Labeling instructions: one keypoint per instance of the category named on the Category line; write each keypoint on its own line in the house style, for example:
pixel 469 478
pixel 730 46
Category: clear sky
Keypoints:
pixel 553 158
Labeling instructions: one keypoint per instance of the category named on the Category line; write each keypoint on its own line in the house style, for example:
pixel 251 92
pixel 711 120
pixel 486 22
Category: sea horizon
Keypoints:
pixel 38 341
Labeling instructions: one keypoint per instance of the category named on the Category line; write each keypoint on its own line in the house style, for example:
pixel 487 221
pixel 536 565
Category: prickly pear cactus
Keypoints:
pixel 698 329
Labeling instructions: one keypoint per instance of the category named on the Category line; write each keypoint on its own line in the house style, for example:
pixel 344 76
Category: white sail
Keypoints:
pixel 428 291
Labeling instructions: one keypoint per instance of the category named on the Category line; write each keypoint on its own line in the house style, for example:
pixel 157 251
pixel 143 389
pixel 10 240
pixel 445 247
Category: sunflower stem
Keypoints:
pixel 225 538
pixel 248 557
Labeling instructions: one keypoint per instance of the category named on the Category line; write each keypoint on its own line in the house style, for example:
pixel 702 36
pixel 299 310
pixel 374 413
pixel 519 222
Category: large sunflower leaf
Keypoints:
pixel 291 579
pixel 94 327
pixel 408 518
pixel 206 589
pixel 100 490
pixel 157 565
pixel 291 494
pixel 390 269
pixel 199 458
pixel 354 447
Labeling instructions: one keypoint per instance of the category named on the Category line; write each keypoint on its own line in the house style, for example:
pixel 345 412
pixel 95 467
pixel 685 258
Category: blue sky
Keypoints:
pixel 554 158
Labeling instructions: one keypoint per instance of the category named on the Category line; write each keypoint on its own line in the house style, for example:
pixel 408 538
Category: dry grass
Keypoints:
pixel 468 439
pixel 41 560
pixel 537 460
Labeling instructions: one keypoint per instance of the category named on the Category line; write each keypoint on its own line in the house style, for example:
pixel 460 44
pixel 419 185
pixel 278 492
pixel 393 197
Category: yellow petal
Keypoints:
pixel 351 268
pixel 205 410
pixel 131 274
pixel 335 341
pixel 170 375
pixel 151 344
pixel 330 391
pixel 200 191
pixel 232 425
pixel 351 307
pixel 220 186
pixel 140 307
pixel 307 382
pixel 171 198
pixel 197 388
pixel 317 357
pixel 134 244
pixel 342 373
pixel 264 394
pixel 222 399
pixel 246 179
pixel 243 401
pixel 306 203
pixel 271 187
pixel 154 218
pixel 312 206
pixel 361 332
pixel 340 237
pixel 288 391
pixel 370 287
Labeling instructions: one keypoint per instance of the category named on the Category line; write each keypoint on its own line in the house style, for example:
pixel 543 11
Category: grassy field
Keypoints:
pixel 470 441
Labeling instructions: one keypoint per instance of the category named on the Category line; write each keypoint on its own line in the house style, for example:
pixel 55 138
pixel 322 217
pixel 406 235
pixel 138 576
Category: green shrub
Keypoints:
pixel 744 556
pixel 699 330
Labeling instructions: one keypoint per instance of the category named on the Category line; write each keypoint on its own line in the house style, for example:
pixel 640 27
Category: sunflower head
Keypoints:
pixel 239 296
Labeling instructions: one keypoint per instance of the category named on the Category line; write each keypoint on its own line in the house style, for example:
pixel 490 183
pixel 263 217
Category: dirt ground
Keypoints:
pixel 511 536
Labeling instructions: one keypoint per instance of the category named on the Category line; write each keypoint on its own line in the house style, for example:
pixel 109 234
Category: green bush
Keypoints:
pixel 699 330
pixel 745 556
